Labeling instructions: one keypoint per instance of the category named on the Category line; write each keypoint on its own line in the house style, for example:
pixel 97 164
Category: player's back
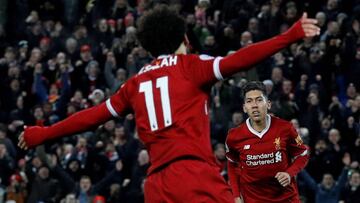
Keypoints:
pixel 171 111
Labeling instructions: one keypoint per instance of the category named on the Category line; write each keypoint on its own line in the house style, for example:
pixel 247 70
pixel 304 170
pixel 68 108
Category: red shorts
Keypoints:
pixel 187 181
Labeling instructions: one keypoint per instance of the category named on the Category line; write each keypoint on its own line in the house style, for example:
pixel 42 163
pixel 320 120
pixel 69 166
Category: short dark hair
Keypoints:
pixel 161 30
pixel 253 85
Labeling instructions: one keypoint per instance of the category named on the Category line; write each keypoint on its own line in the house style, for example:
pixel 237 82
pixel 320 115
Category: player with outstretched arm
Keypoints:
pixel 170 100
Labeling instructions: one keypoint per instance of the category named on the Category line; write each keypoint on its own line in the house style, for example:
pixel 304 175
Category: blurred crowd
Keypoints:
pixel 59 57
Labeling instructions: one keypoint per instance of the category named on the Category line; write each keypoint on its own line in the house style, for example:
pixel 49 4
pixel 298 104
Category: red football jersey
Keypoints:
pixel 170 99
pixel 260 155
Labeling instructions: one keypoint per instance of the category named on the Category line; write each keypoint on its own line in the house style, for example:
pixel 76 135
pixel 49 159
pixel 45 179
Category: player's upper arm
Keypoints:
pixel 231 154
pixel 119 103
pixel 202 69
pixel 296 145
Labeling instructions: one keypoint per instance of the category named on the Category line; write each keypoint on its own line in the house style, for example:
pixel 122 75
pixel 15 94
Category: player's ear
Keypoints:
pixel 244 109
pixel 268 104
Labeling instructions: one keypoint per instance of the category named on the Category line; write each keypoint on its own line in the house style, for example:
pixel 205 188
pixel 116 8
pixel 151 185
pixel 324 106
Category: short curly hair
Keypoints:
pixel 253 85
pixel 161 30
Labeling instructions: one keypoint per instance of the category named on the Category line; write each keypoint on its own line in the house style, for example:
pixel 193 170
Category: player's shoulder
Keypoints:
pixel 232 132
pixel 280 122
pixel 196 57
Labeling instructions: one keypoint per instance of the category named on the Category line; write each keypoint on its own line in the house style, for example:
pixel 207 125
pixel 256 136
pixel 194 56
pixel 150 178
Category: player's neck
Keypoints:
pixel 181 49
pixel 259 125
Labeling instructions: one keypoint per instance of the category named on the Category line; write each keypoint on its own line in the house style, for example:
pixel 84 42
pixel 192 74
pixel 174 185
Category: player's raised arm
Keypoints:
pixel 79 122
pixel 255 53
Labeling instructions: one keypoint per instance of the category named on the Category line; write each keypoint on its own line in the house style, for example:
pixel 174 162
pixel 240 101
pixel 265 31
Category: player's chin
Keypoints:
pixel 256 118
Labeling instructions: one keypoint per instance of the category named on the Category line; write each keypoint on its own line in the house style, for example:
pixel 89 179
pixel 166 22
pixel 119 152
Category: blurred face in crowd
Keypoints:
pixel 70 45
pixel 333 28
pixel 354 180
pixel 103 25
pixel 78 96
pixel 36 162
pixel 15 85
pixel 313 99
pixel 209 41
pixel 121 74
pixel 291 10
pixel 82 142
pixel 38 113
pixel 190 19
pixel 220 152
pixel 114 189
pixel 3 150
pixel 93 70
pixel 325 123
pixel 287 87
pixel 13 71
pixel 295 123
pixel 43 172
pixel 120 131
pixel 357 101
pixel 237 118
pixel 253 25
pixel 327 181
pixel 9 54
pixel 351 91
pixel 334 136
pixel 110 125
pixel 61 58
pixel 74 166
pixel 143 157
pixel 85 184
pixel 332 4
pixel 35 55
pixel 20 102
pixel 315 55
pixel 256 105
pixel 276 74
pixel 321 18
pixel 68 149
pixel 70 198
pixel 246 38
pixel 120 3
pixel 320 146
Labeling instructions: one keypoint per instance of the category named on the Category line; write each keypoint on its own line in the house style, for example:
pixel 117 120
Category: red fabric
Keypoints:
pixel 255 53
pixel 189 181
pixel 189 132
pixel 260 159
pixel 78 122
pixel 234 178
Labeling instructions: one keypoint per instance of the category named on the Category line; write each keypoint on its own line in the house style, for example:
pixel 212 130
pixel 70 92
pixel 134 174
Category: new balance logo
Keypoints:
pixel 247 146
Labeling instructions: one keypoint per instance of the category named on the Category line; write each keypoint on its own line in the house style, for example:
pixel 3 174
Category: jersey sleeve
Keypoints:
pixel 251 55
pixel 201 69
pixel 297 151
pixel 233 167
pixel 119 104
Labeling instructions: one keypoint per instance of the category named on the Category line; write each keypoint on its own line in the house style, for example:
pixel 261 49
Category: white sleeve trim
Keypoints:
pixel 216 68
pixel 110 108
pixel 302 154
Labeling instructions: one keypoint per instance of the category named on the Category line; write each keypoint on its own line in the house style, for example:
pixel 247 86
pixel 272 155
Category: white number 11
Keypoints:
pixel 146 88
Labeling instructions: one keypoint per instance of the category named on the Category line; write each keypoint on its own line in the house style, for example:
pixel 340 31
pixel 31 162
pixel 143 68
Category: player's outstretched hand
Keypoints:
pixel 22 143
pixel 31 137
pixel 283 178
pixel 309 26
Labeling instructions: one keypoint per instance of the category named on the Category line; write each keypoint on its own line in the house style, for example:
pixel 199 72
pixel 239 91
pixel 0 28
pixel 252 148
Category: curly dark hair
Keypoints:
pixel 253 85
pixel 161 30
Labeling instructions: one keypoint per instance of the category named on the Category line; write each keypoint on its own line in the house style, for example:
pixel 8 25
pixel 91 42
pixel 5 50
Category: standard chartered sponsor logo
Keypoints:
pixel 263 159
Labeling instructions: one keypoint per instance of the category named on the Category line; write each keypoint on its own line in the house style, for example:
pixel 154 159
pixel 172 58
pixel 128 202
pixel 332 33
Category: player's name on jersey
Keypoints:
pixel 263 159
pixel 163 62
